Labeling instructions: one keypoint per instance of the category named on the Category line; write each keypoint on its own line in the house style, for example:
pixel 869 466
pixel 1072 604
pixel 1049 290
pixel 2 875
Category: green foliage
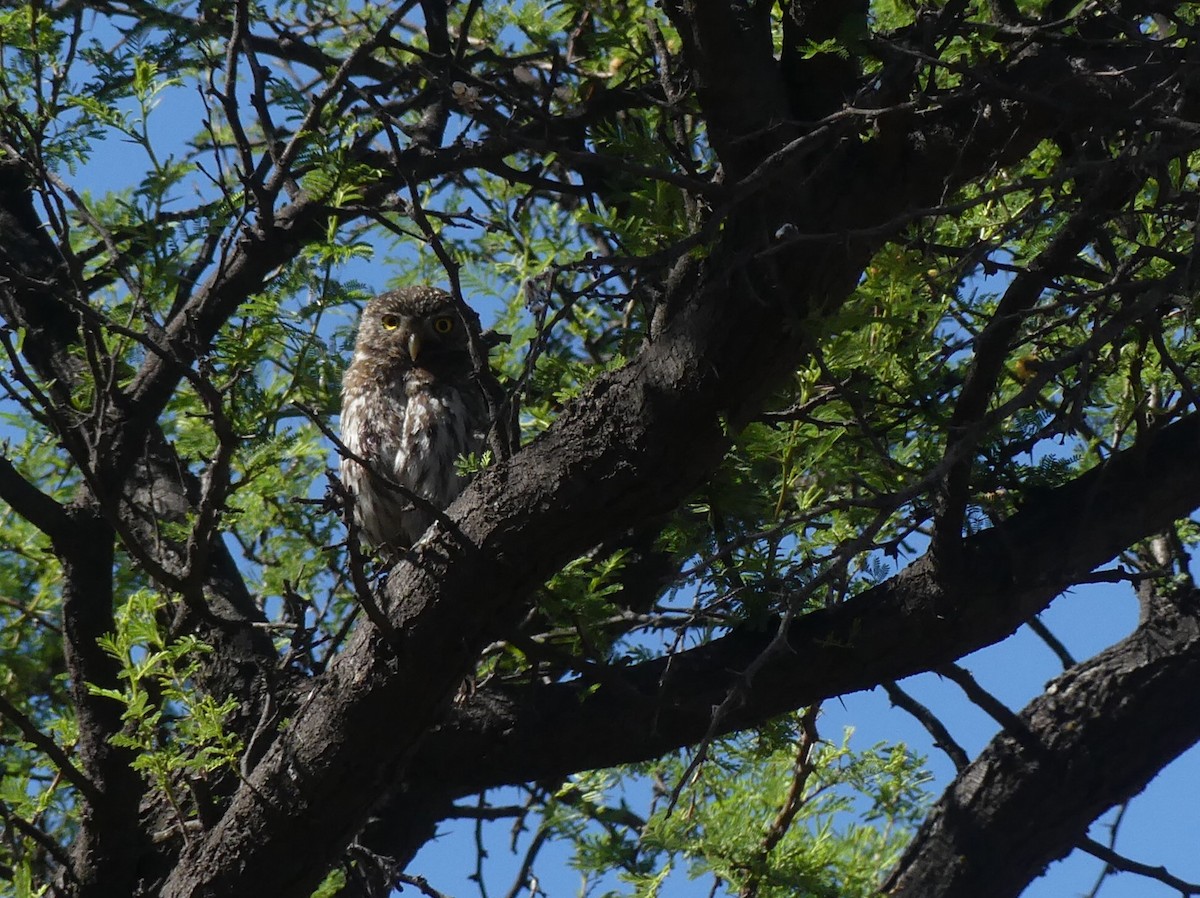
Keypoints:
pixel 473 463
pixel 174 729
pixel 852 815
pixel 332 885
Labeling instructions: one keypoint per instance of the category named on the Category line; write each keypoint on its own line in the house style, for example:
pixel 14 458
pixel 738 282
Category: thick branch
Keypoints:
pixel 911 623
pixel 109 846
pixel 31 273
pixel 157 487
pixel 1133 702
pixel 30 502
pixel 729 49
pixel 820 83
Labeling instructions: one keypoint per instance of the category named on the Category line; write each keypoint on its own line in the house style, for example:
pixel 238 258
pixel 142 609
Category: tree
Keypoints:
pixel 834 342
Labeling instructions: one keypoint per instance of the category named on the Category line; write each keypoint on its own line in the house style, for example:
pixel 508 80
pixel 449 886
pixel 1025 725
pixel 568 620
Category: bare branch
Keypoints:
pixel 941 736
pixel 1120 862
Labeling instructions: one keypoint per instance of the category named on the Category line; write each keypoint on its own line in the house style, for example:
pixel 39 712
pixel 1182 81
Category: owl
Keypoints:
pixel 411 406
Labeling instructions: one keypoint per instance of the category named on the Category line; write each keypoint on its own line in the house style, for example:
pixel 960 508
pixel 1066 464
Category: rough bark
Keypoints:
pixel 107 851
pixel 1095 738
pixel 915 621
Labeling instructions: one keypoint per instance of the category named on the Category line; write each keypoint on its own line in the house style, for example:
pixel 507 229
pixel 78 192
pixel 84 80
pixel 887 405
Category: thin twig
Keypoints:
pixel 1056 646
pixel 51 847
pixel 421 884
pixel 1126 865
pixel 941 736
pixel 51 749
pixel 505 443
pixel 362 589
pixel 802 770
pixel 996 709
pixel 525 878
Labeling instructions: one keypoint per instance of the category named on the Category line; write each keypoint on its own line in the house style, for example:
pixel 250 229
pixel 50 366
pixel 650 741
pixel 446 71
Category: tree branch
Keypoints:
pixel 49 748
pixel 30 502
pixel 911 623
pixel 109 846
pixel 1133 701
pixel 1114 861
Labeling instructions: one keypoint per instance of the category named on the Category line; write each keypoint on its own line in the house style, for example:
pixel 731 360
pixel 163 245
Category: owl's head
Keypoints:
pixel 414 327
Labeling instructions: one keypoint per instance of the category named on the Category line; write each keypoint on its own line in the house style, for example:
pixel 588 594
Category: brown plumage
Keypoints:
pixel 410 407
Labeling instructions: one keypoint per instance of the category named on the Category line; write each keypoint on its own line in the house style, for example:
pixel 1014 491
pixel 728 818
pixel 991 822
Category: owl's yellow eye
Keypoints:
pixel 443 325
pixel 390 322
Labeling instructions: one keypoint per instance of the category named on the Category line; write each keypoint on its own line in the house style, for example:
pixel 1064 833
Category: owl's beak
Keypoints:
pixel 414 345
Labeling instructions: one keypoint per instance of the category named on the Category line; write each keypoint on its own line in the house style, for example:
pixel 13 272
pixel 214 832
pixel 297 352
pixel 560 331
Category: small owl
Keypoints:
pixel 410 407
